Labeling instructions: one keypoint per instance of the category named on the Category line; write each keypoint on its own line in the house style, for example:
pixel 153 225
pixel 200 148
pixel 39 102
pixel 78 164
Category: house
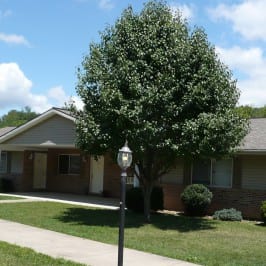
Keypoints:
pixel 41 155
pixel 238 182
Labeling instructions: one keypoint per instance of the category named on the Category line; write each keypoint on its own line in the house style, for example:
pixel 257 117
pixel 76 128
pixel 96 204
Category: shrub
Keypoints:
pixel 228 215
pixel 157 199
pixel 6 185
pixel 196 198
pixel 135 200
pixel 263 211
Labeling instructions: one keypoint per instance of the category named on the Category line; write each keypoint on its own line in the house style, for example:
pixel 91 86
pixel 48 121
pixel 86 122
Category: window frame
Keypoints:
pixel 69 164
pixel 211 174
pixel 231 174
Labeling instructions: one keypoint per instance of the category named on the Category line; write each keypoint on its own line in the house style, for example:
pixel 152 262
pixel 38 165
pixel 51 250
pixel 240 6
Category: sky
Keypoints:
pixel 43 42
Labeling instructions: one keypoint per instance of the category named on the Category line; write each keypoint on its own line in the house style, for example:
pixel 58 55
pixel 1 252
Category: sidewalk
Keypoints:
pixel 77 249
pixel 82 200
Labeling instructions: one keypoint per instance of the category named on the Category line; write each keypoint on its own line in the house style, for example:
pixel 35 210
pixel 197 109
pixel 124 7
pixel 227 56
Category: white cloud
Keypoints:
pixel 187 11
pixel 78 102
pixel 58 97
pixel 106 4
pixel 5 13
pixel 14 39
pixel 248 18
pixel 16 92
pixel 251 63
pixel 15 89
pixel 58 94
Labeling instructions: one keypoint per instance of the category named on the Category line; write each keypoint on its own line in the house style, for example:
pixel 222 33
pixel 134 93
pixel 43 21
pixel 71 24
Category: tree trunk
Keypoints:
pixel 147 202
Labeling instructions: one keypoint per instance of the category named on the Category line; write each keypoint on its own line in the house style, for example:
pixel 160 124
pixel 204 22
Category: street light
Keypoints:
pixel 124 160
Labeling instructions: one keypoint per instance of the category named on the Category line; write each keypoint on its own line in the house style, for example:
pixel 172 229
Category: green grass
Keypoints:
pixel 2 197
pixel 199 240
pixel 12 255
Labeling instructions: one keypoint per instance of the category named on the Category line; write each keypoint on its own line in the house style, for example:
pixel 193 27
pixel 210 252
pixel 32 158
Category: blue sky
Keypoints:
pixel 42 44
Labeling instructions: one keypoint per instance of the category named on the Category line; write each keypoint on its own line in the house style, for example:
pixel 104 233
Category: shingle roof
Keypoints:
pixel 256 138
pixel 5 130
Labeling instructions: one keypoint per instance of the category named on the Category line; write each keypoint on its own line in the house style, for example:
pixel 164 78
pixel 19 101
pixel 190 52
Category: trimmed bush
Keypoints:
pixel 157 199
pixel 135 200
pixel 196 198
pixel 228 215
pixel 6 185
pixel 263 211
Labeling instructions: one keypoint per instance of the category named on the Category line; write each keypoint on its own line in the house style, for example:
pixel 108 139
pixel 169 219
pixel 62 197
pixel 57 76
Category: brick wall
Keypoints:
pixel 112 173
pixel 172 199
pixel 64 182
pixel 245 200
pixel 27 176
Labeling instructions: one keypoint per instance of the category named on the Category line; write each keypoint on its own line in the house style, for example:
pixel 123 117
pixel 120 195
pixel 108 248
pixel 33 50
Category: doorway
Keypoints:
pixel 96 175
pixel 39 170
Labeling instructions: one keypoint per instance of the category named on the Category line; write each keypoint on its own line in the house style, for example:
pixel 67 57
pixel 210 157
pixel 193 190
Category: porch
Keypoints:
pixel 83 200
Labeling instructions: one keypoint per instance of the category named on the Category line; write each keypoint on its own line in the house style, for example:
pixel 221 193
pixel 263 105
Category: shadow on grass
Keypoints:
pixel 110 218
pixel 261 224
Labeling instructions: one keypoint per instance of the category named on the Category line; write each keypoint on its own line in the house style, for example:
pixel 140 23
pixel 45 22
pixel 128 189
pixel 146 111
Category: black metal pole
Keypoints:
pixel 122 217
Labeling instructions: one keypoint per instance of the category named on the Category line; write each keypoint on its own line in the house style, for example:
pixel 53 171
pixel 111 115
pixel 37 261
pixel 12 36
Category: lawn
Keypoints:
pixel 12 255
pixel 3 197
pixel 198 240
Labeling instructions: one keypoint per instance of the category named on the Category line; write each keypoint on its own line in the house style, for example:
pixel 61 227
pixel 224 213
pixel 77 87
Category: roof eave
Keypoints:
pixel 51 112
pixel 252 151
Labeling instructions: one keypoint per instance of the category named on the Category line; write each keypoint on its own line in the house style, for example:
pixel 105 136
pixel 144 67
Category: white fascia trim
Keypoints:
pixel 33 122
pixel 254 151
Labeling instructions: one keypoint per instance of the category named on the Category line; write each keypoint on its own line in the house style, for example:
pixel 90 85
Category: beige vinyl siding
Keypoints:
pixel 16 162
pixel 176 175
pixel 254 172
pixel 57 130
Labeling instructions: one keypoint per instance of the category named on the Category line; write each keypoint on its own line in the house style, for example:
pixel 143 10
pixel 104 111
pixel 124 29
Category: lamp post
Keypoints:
pixel 124 160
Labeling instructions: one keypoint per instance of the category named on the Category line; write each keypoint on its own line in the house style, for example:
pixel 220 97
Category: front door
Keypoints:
pixel 96 175
pixel 39 170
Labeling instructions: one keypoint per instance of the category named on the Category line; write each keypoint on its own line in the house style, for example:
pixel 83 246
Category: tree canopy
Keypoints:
pixel 16 118
pixel 252 112
pixel 160 85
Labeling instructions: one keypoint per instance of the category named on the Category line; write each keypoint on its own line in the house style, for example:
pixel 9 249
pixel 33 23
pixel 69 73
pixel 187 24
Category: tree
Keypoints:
pixel 252 112
pixel 158 84
pixel 16 118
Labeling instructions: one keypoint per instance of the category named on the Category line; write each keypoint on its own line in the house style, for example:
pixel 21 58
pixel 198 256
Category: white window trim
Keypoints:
pixel 231 177
pixel 211 173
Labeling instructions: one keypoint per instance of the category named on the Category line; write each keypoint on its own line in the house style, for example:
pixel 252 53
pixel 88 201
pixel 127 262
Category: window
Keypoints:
pixel 69 164
pixel 3 162
pixel 201 172
pixel 222 173
pixel 215 173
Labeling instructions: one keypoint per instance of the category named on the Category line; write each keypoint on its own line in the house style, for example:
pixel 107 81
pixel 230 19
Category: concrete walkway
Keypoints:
pixel 73 248
pixel 82 200
pixel 77 249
